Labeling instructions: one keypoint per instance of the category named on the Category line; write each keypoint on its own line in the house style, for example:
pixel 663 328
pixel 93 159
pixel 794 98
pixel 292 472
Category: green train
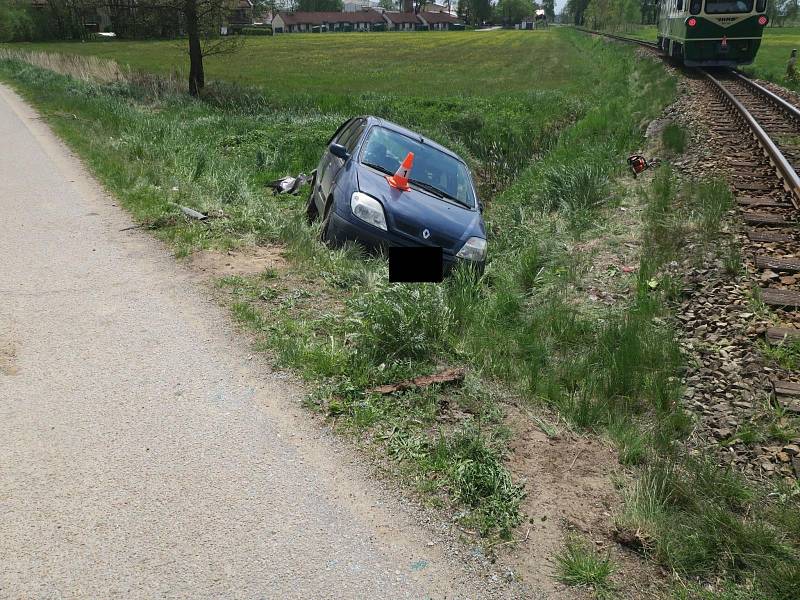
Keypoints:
pixel 711 33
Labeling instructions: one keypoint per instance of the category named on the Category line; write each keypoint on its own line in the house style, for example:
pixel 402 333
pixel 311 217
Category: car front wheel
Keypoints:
pixel 312 213
pixel 324 232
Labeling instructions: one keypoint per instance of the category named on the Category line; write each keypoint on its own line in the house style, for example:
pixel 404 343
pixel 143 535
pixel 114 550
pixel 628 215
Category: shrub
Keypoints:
pixel 256 30
pixel 478 479
pixel 400 322
pixel 579 564
pixel 674 138
pixel 573 187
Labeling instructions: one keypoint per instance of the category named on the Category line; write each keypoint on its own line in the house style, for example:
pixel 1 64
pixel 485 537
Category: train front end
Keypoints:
pixel 723 33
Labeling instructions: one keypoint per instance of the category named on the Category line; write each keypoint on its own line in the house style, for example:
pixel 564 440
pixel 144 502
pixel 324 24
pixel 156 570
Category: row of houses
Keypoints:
pixel 367 19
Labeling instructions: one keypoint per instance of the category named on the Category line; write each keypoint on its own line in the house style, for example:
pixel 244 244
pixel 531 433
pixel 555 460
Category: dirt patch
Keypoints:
pixel 214 264
pixel 569 480
pixel 8 358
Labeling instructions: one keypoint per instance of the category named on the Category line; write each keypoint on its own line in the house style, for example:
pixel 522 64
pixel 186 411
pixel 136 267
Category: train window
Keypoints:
pixel 679 5
pixel 695 6
pixel 716 7
pixel 761 5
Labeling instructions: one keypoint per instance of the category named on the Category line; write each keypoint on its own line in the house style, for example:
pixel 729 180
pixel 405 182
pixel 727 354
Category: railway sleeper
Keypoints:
pixel 785 264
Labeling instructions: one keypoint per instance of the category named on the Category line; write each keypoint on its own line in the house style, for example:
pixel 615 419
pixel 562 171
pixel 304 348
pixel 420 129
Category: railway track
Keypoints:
pixel 759 132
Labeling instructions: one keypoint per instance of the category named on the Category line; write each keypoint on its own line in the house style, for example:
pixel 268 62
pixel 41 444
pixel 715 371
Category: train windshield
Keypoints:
pixel 716 7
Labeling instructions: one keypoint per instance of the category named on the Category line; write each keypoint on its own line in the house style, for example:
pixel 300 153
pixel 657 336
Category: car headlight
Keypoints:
pixel 368 209
pixel 473 249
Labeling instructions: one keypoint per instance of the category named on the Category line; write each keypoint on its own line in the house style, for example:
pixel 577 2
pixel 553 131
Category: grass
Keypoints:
pixel 773 55
pixel 698 520
pixel 702 521
pixel 785 353
pixel 452 63
pixel 579 564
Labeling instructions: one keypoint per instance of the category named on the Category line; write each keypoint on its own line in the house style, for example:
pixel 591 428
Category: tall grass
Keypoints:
pixel 580 565
pixel 85 68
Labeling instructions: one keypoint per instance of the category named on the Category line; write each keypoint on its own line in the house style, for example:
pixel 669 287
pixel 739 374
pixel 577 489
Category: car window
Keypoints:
pixel 350 140
pixel 386 149
pixel 346 131
pixel 338 132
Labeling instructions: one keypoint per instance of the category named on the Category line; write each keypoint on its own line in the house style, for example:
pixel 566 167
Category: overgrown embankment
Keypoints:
pixel 548 164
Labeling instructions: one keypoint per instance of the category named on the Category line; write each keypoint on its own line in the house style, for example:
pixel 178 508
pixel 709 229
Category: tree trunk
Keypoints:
pixel 196 75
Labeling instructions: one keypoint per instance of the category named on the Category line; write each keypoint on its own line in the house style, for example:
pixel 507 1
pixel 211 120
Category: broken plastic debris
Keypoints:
pixel 290 185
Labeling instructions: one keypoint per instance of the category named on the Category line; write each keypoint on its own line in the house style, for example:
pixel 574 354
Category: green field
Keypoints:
pixel 773 55
pixel 433 63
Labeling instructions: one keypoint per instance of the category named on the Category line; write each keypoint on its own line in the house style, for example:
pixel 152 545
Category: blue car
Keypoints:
pixel 353 194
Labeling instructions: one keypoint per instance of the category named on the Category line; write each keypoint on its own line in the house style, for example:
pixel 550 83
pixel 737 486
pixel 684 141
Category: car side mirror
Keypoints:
pixel 339 151
pixel 480 205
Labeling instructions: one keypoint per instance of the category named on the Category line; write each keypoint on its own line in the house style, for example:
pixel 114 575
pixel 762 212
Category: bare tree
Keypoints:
pixel 203 20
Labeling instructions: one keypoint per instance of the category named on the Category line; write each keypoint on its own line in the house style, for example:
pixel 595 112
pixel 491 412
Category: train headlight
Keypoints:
pixel 691 21
pixel 763 20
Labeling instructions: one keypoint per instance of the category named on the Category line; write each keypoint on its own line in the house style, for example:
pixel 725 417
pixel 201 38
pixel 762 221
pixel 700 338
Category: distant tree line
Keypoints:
pixel 615 14
pixel 611 14
pixel 504 12
pixel 24 20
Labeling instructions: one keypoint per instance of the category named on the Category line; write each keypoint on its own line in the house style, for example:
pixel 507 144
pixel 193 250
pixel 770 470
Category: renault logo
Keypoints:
pixel 426 234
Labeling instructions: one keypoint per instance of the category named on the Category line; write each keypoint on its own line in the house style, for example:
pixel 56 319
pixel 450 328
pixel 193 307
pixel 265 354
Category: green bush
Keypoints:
pixel 573 187
pixel 256 30
pixel 674 138
pixel 400 322
pixel 579 564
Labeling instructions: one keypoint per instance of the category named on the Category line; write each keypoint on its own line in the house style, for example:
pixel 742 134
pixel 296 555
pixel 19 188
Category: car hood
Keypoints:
pixel 411 213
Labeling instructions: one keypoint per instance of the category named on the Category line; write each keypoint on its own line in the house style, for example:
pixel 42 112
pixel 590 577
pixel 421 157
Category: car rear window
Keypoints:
pixel 386 149
pixel 717 7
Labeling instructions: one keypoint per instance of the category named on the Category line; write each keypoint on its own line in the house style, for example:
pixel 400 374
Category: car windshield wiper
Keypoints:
pixel 377 167
pixel 437 192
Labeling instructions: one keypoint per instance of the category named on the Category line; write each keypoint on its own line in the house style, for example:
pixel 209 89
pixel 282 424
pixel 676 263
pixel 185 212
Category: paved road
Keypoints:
pixel 141 453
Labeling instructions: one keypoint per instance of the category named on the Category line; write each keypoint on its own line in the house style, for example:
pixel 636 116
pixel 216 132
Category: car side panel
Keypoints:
pixel 328 167
pixel 333 164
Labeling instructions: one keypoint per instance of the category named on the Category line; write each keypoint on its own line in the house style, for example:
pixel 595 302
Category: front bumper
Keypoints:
pixel 343 230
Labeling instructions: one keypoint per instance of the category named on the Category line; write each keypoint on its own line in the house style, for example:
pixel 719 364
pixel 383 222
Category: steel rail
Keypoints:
pixel 788 107
pixel 784 170
pixel 651 45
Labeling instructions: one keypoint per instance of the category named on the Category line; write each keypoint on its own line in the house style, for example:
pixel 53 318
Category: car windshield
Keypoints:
pixel 717 7
pixel 433 170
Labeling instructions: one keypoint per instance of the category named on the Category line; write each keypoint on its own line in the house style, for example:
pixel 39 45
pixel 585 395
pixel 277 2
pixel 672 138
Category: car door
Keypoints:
pixel 329 165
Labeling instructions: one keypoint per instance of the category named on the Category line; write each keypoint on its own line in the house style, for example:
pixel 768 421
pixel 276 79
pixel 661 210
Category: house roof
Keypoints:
pixel 399 18
pixel 318 18
pixel 439 17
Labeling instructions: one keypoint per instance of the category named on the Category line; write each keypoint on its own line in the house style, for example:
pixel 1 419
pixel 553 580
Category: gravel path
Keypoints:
pixel 142 454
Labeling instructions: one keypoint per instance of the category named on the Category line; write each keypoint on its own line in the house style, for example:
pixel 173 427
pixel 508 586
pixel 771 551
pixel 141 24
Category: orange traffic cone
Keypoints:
pixel 400 179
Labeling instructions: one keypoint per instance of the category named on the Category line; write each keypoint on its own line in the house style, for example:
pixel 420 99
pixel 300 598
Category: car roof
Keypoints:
pixel 412 134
